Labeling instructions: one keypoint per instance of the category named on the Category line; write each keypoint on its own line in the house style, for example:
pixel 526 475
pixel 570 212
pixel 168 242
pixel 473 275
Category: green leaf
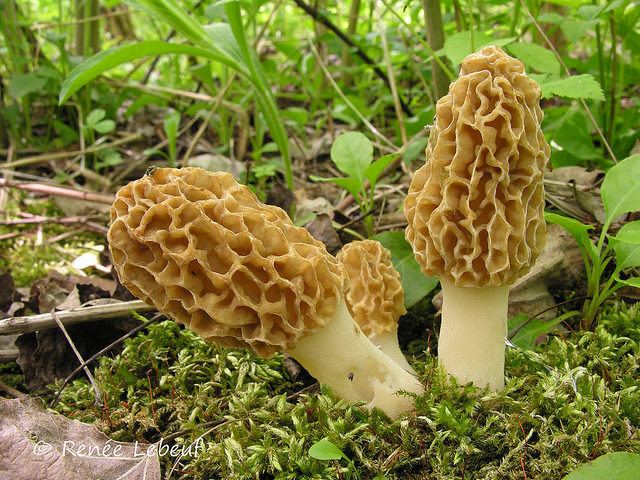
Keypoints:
pixel 352 152
pixel 376 168
pixel 536 57
pixel 325 450
pixel 414 283
pixel 620 190
pixel 414 149
pixel 95 116
pixel 527 330
pixel 23 84
pixel 105 126
pixel 458 45
pixel 350 184
pixel 578 230
pixel 616 465
pixel 576 86
pixel 632 282
pixel 626 244
pixel 108 59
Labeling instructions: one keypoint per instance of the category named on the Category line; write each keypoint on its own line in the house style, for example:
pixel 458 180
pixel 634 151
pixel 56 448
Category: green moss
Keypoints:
pixel 570 401
pixel 27 256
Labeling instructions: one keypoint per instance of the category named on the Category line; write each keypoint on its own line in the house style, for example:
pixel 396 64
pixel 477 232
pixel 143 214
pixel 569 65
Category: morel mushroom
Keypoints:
pixel 374 295
pixel 475 209
pixel 202 249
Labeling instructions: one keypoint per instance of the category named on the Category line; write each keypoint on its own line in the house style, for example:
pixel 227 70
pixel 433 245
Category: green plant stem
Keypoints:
pixel 354 12
pixel 516 19
pixel 613 81
pixel 435 37
pixel 419 38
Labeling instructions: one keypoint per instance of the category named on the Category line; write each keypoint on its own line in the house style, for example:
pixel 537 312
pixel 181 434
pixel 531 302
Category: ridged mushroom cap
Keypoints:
pixel 373 290
pixel 202 249
pixel 475 209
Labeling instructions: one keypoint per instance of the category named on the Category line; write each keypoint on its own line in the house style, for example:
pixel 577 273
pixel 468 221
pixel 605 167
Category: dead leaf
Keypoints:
pixel 46 356
pixel 7 291
pixel 321 228
pixel 37 444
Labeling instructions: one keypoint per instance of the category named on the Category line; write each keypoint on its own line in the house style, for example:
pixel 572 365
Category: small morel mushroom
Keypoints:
pixel 202 249
pixel 475 209
pixel 374 295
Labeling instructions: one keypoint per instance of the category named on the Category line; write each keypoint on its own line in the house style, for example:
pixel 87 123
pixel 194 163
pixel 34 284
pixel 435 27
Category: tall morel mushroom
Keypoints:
pixel 374 295
pixel 475 209
pixel 202 249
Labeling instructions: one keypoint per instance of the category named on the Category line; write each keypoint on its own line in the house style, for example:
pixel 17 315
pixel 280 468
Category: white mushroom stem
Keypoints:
pixel 388 343
pixel 342 357
pixel 473 333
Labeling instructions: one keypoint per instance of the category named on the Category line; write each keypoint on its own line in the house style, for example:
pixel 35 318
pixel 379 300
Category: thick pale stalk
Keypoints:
pixel 388 343
pixel 342 357
pixel 473 333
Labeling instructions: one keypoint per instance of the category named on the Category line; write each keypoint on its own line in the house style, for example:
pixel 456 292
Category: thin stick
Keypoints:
pixel 102 352
pixel 44 321
pixel 64 155
pixel 203 126
pixel 11 391
pixel 59 191
pixel 566 70
pixel 96 389
pixel 9 355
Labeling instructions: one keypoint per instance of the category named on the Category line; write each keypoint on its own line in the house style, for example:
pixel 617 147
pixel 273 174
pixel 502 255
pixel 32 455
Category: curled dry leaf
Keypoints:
pixel 35 443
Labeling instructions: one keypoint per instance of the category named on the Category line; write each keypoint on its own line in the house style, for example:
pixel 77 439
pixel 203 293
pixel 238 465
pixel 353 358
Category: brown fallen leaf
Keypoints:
pixel 37 444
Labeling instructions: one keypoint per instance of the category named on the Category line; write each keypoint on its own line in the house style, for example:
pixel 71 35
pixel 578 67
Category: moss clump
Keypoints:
pixel 565 404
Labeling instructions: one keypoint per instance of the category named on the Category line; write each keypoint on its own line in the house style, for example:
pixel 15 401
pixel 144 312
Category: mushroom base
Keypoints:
pixel 342 357
pixel 473 333
pixel 388 343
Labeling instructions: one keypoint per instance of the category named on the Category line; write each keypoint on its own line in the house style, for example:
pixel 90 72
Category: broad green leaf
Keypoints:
pixel 632 282
pixel 414 149
pixel 626 244
pixel 95 116
pixel 105 126
pixel 352 153
pixel 350 184
pixel 414 283
pixel 526 330
pixel 177 17
pixel 620 190
pixel 458 45
pixel 325 450
pixel 591 12
pixel 23 84
pixel 536 57
pixel 578 230
pixel 108 59
pixel 576 86
pixel 375 169
pixel 615 465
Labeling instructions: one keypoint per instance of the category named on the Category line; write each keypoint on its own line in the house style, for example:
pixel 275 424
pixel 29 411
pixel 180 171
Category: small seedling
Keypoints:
pixel 620 194
pixel 352 153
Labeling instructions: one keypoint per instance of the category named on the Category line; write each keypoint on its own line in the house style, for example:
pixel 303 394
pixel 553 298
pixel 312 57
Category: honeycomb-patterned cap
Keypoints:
pixel 201 248
pixel 475 209
pixel 373 292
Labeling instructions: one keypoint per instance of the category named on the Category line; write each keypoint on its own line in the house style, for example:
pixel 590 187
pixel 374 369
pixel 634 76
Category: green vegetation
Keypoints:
pixel 320 101
pixel 568 402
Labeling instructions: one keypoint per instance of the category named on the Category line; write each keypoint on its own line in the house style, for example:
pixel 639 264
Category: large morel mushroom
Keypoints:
pixel 202 249
pixel 475 209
